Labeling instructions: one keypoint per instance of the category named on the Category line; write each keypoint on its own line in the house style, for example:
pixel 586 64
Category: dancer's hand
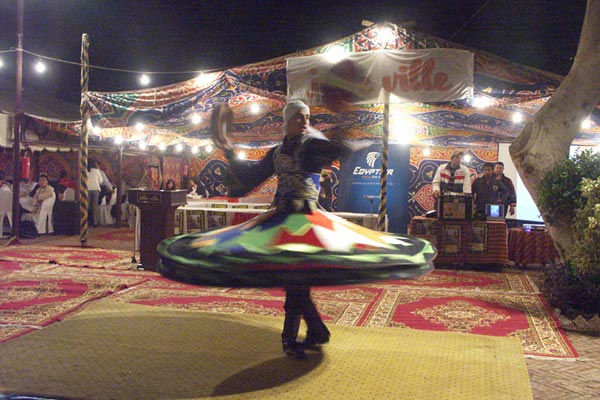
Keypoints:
pixel 343 84
pixel 221 125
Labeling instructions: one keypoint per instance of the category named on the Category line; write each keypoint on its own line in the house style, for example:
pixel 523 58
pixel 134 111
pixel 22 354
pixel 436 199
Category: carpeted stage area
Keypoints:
pixel 124 351
pixel 88 313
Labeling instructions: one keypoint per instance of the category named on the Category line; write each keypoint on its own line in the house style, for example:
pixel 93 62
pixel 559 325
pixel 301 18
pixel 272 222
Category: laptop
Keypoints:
pixel 495 212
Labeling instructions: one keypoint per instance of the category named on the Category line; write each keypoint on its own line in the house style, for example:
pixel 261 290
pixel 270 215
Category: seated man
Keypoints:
pixel 44 191
pixel 4 186
pixel 488 189
pixel 198 188
pixel 65 181
pixel 26 187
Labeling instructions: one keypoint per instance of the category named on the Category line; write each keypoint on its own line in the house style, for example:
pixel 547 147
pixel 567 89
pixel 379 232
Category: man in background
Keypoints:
pixel 4 186
pixel 511 201
pixel 44 191
pixel 452 177
pixel 487 189
pixel 26 187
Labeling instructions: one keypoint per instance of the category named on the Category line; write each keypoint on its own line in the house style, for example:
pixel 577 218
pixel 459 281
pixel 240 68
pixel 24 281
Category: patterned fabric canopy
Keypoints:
pixel 256 94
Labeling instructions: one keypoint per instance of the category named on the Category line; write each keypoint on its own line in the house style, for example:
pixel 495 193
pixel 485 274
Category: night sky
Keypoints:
pixel 171 36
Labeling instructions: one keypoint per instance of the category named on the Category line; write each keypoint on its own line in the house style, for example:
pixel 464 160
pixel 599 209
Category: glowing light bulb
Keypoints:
pixel 118 140
pixel 40 67
pixel 204 79
pixel 178 147
pixel 586 123
pixel 241 155
pixel 1 63
pixel 481 102
pixel 195 150
pixel 196 119
pixel 517 117
pixel 96 130
pixel 162 147
pixel 467 158
pixel 142 145
pixel 144 80
pixel 426 151
pixel 335 53
pixel 254 108
pixel 385 35
pixel 139 127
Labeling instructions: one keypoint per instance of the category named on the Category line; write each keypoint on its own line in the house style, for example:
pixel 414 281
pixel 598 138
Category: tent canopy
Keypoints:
pixel 180 113
pixel 45 112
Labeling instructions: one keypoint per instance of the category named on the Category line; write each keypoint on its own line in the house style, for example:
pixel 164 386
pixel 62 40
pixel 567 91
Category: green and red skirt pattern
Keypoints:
pixel 281 249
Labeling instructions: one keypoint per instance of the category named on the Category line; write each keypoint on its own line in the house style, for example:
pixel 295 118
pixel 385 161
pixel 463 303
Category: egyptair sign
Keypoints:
pixel 429 75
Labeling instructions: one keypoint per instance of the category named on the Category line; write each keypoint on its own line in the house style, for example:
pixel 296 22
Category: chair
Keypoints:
pixel 65 217
pixel 69 194
pixel 43 220
pixel 5 209
pixel 104 209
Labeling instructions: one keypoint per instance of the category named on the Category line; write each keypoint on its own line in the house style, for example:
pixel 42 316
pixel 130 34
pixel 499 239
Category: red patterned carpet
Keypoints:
pixel 91 257
pixel 117 235
pixel 37 292
pixel 36 295
pixel 494 304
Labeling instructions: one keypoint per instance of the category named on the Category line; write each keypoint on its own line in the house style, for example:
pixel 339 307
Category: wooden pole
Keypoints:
pixel 384 164
pixel 83 147
pixel 16 211
pixel 119 193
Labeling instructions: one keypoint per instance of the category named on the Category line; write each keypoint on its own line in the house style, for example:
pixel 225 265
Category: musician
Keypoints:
pixel 511 202
pixel 452 177
pixel 488 189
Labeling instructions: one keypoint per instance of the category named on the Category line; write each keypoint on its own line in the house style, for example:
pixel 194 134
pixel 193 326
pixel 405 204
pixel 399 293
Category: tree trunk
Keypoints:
pixel 545 142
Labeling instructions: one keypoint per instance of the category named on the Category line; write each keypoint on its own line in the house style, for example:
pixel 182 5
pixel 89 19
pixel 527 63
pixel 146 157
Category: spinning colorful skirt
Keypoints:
pixel 278 249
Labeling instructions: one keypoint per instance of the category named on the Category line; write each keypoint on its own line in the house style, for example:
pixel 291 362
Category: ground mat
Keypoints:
pixel 34 295
pixel 494 304
pixel 124 351
pixel 68 255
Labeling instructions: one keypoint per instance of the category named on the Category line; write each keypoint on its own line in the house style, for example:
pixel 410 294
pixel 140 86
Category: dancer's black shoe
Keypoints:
pixel 315 338
pixel 293 348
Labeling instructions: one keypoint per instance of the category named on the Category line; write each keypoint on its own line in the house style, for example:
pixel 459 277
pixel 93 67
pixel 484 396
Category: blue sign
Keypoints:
pixel 360 183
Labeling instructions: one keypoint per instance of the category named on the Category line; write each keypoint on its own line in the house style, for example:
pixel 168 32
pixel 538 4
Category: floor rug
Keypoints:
pixel 469 280
pixel 125 234
pixel 494 304
pixel 68 255
pixel 34 297
pixel 526 317
pixel 123 351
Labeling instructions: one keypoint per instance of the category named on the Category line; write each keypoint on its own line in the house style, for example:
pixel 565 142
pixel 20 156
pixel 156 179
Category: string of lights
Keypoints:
pixel 479 101
pixel 58 60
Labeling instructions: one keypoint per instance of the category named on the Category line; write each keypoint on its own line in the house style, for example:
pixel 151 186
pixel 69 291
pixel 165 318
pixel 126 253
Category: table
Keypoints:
pixel 464 242
pixel 201 215
pixel 195 218
pixel 531 247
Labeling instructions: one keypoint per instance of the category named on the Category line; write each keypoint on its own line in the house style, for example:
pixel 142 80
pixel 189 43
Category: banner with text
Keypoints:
pixel 360 183
pixel 429 75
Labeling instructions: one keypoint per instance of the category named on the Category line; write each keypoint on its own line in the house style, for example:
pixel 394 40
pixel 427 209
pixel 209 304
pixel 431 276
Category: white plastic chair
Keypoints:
pixel 106 217
pixel 69 194
pixel 5 209
pixel 43 220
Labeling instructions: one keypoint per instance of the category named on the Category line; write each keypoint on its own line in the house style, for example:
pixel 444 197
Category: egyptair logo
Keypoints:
pixel 372 157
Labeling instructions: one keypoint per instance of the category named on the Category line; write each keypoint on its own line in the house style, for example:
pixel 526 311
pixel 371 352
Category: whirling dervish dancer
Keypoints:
pixel 293 245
